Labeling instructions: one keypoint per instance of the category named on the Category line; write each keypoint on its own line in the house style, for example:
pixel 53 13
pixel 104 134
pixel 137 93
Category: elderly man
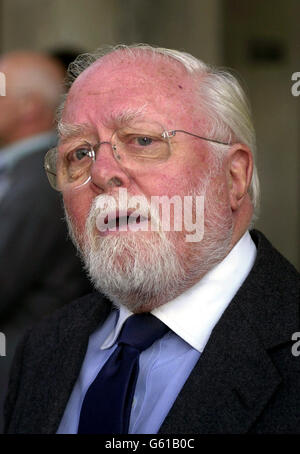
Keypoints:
pixel 194 335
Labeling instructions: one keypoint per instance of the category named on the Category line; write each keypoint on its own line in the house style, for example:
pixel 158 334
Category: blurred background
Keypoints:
pixel 258 40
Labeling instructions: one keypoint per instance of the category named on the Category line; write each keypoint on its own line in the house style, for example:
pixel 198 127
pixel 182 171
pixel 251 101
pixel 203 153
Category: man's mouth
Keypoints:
pixel 121 222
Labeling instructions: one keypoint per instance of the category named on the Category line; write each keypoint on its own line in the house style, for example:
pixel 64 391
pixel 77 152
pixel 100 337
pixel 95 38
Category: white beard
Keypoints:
pixel 134 271
pixel 144 271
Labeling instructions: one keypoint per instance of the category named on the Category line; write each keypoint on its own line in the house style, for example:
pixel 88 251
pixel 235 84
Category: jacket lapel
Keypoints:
pixel 68 362
pixel 230 385
pixel 235 378
pixel 67 346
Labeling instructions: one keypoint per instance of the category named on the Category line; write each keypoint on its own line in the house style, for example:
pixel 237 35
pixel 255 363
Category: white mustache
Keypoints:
pixel 108 212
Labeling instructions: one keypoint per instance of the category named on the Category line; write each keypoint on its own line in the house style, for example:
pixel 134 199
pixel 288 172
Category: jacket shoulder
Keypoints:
pixel 81 314
pixel 274 269
pixel 269 297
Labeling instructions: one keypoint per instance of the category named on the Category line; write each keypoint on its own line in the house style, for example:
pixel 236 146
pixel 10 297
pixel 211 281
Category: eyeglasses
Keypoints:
pixel 136 148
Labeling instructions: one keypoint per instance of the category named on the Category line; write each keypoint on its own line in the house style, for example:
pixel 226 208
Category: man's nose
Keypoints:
pixel 106 171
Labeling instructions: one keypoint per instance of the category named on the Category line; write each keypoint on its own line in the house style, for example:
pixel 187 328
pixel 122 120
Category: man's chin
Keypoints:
pixel 133 269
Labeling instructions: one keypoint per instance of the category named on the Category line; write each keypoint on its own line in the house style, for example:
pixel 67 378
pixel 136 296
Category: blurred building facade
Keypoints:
pixel 259 40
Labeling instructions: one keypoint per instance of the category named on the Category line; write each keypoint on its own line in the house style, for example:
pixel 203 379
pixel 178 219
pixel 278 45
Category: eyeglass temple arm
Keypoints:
pixel 173 133
pixel 49 171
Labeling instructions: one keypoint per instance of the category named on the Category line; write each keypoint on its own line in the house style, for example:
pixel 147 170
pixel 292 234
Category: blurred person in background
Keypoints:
pixel 39 267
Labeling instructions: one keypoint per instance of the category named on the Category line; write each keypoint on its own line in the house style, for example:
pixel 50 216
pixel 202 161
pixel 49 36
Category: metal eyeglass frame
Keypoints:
pixel 165 135
pixel 169 134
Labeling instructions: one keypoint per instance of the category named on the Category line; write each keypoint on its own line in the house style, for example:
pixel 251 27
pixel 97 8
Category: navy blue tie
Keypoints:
pixel 107 404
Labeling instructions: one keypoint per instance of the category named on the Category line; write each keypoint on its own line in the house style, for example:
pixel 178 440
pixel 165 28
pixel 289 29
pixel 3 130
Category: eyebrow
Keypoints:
pixel 127 116
pixel 68 131
pixel 115 120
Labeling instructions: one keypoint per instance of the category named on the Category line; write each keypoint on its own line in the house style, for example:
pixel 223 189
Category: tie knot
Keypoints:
pixel 141 330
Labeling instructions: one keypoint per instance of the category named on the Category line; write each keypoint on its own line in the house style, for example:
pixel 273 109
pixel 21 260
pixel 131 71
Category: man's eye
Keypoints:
pixel 79 154
pixel 144 141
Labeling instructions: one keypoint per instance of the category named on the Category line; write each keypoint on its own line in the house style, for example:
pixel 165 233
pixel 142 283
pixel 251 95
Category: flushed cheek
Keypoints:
pixel 177 184
pixel 173 179
pixel 77 205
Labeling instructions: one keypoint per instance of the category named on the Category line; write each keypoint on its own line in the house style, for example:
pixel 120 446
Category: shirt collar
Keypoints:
pixel 194 313
pixel 124 313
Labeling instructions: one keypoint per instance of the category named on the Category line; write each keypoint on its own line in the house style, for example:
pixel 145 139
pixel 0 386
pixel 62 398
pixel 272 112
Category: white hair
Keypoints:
pixel 222 97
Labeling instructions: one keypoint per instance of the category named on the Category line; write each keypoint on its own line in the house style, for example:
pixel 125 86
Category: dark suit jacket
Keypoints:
pixel 246 380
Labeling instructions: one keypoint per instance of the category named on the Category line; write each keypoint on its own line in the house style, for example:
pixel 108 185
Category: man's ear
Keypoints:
pixel 240 168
